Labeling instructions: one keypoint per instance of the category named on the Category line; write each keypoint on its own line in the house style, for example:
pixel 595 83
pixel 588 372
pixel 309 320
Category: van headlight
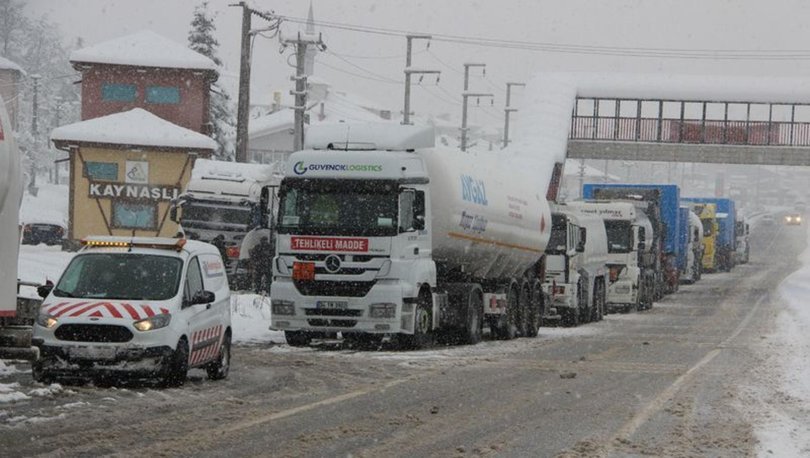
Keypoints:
pixel 46 321
pixel 152 323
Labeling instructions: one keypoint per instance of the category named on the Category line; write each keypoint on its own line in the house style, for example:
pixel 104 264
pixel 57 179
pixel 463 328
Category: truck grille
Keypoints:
pixel 332 312
pixel 93 333
pixel 333 323
pixel 334 288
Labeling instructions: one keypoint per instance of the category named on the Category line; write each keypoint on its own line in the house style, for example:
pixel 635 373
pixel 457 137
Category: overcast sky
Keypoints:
pixel 357 61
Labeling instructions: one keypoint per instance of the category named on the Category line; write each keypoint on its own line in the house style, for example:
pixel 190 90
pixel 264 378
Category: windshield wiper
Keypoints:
pixel 63 293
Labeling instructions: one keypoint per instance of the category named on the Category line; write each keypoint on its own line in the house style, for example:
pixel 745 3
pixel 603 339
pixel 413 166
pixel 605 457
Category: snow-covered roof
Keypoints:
pixel 224 170
pixel 143 49
pixel 6 64
pixel 379 135
pixel 136 127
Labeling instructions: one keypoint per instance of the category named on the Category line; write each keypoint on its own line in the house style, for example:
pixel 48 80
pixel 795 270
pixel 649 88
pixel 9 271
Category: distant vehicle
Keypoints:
pixel 576 267
pixel 138 306
pixel 768 220
pixel 34 233
pixel 743 246
pixel 793 219
pixel 726 241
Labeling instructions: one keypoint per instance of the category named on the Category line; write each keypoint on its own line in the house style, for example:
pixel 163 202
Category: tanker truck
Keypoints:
pixel 10 198
pixel 576 267
pixel 381 235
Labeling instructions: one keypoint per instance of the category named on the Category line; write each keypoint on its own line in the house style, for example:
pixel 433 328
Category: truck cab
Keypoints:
pixel 708 217
pixel 576 271
pixel 694 249
pixel 221 204
pixel 630 254
pixel 142 307
pixel 741 230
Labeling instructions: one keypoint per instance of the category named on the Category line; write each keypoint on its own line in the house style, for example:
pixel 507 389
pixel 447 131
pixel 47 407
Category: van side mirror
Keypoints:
pixel 203 297
pixel 44 290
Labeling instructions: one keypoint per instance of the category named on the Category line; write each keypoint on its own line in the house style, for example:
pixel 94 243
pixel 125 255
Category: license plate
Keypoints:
pixel 332 305
pixel 95 353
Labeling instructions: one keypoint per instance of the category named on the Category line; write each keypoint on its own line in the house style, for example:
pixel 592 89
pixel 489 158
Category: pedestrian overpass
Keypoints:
pixel 729 120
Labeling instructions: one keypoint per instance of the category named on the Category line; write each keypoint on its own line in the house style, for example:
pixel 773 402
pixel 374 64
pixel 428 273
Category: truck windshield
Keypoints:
pixel 196 214
pixel 708 227
pixel 620 236
pixel 557 243
pixel 124 276
pixel 338 207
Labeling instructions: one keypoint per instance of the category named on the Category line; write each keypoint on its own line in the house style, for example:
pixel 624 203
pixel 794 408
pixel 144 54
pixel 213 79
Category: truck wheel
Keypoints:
pixel 298 338
pixel 535 310
pixel 177 366
pixel 508 324
pixel 219 369
pixel 475 319
pixel 422 326
pixel 525 308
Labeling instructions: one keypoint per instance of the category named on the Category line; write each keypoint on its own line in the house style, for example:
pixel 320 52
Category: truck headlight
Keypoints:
pixel 282 307
pixel 46 321
pixel 383 310
pixel 152 323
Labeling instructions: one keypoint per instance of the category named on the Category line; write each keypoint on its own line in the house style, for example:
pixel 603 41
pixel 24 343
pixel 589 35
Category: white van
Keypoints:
pixel 141 306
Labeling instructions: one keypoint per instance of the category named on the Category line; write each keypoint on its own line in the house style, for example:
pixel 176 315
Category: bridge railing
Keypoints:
pixel 588 123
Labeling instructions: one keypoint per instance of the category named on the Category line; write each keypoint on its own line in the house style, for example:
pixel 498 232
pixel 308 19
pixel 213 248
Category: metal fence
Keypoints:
pixel 697 122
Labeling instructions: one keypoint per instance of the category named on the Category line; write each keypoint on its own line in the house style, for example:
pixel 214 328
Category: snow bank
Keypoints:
pixel 49 206
pixel 9 393
pixel 6 64
pixel 136 127
pixel 250 320
pixel 144 49
pixel 787 433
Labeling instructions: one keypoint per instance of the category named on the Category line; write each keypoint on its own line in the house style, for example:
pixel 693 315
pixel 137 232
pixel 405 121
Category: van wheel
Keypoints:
pixel 219 369
pixel 177 367
pixel 39 374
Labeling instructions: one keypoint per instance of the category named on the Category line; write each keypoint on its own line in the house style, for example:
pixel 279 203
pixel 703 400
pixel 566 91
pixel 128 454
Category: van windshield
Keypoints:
pixel 123 276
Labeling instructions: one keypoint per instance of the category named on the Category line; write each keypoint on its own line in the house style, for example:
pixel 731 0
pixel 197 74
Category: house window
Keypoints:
pixel 111 92
pixel 131 215
pixel 163 95
pixel 101 171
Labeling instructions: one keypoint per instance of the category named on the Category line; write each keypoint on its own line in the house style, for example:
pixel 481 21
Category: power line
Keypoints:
pixel 676 53
pixel 382 77
pixel 370 78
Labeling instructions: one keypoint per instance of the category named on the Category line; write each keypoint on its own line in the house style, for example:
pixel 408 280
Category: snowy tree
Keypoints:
pixel 36 45
pixel 201 39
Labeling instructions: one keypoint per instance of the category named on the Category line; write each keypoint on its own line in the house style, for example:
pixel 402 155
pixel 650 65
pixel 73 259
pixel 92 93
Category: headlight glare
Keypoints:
pixel 152 323
pixel 46 321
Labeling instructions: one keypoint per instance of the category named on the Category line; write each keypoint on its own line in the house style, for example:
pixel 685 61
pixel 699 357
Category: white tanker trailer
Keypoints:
pixel 10 196
pixel 381 234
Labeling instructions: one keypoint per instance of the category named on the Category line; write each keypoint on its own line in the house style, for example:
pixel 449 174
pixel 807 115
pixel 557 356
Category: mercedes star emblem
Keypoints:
pixel 332 263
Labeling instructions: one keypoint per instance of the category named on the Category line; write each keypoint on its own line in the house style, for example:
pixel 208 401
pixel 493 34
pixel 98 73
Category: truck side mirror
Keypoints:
pixel 44 290
pixel 419 222
pixel 583 237
pixel 173 214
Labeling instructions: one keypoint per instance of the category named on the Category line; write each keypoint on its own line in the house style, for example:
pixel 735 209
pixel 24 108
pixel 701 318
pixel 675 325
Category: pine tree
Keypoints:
pixel 201 39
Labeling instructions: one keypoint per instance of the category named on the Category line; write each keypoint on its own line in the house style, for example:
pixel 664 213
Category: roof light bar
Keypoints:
pixel 176 246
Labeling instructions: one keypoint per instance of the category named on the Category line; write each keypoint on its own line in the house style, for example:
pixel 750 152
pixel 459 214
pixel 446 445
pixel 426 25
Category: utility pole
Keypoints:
pixel 465 96
pixel 301 43
pixel 508 110
pixel 243 103
pixel 406 114
pixel 35 108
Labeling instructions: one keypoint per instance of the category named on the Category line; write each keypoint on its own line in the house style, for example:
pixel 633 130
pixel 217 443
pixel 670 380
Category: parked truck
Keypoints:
pixel 661 204
pixel 17 314
pixel 726 240
pixel 576 267
pixel 223 199
pixel 381 234
pixel 632 261
pixel 708 219
pixel 693 268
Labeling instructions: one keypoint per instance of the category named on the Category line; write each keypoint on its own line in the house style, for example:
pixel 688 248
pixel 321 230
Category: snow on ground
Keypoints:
pixel 250 320
pixel 786 430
